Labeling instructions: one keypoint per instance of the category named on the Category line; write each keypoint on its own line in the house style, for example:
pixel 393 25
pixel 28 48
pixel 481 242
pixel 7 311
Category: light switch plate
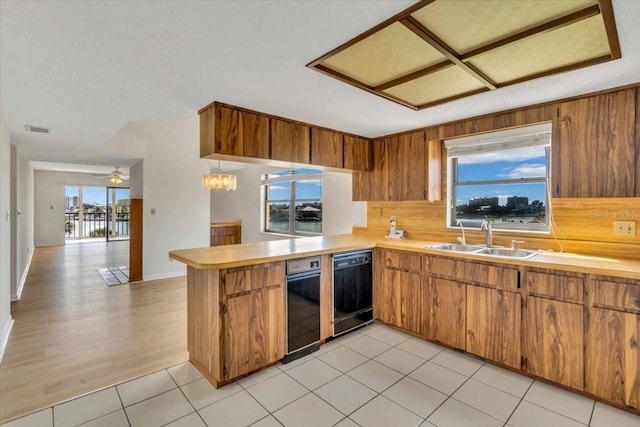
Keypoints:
pixel 624 228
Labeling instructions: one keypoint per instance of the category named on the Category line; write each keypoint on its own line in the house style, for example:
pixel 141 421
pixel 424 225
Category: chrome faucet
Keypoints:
pixel 486 226
pixel 462 239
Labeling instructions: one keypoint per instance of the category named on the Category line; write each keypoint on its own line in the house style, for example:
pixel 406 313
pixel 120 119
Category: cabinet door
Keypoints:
pixel 589 136
pixel 613 359
pixel 446 302
pixel 373 185
pixel 553 343
pixel 254 331
pixel 400 300
pixel 326 148
pixel 229 131
pixel 358 153
pixel 290 141
pixel 493 325
pixel 407 165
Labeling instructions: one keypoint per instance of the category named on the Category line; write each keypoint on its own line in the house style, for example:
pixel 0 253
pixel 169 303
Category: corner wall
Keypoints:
pixel 22 225
pixel 171 186
pixel 6 322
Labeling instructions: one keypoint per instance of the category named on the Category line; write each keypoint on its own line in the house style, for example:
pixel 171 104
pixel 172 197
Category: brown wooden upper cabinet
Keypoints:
pixel 595 147
pixel 290 141
pixel 326 148
pixel 358 153
pixel 233 132
pixel 407 166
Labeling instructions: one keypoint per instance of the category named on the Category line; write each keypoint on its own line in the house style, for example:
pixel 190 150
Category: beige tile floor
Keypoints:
pixel 373 377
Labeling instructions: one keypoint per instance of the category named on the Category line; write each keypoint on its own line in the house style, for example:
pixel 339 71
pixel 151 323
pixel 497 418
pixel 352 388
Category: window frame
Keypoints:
pixel 499 139
pixel 292 177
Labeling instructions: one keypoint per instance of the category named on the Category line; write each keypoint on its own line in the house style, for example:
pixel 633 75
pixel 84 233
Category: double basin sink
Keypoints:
pixel 483 250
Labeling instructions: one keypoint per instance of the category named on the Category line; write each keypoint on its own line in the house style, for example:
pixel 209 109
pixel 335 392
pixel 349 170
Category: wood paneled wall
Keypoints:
pixel 581 225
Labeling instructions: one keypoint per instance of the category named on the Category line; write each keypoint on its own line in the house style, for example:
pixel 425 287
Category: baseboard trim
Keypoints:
pixel 5 340
pixel 25 273
pixel 162 276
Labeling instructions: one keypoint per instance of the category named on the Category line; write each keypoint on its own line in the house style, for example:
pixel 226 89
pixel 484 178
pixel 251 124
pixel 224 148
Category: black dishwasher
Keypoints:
pixel 303 307
pixel 352 290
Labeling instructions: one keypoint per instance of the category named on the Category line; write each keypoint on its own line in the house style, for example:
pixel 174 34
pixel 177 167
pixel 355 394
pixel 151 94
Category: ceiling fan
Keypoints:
pixel 116 176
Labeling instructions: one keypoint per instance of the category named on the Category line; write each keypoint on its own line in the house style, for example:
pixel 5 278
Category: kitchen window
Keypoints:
pixel 502 176
pixel 293 202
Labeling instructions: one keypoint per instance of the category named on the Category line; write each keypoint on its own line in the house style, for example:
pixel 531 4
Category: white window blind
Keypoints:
pixel 524 137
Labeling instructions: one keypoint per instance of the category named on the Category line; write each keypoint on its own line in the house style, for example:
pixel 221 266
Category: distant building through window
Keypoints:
pixel 502 177
pixel 293 202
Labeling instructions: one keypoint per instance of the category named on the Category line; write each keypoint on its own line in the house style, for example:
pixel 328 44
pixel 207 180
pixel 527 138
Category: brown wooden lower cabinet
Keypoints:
pixel 225 234
pixel 613 356
pixel 553 344
pixel 236 319
pixel 399 293
pixel 494 325
pixel 446 305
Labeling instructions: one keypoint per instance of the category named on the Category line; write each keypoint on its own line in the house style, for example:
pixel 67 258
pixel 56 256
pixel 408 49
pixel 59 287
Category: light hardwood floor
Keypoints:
pixel 73 334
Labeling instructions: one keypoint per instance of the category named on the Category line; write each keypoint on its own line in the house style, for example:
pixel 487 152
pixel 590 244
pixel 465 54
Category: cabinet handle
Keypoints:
pixel 224 308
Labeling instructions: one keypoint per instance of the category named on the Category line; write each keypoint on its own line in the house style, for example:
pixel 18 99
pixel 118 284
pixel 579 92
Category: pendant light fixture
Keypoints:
pixel 219 181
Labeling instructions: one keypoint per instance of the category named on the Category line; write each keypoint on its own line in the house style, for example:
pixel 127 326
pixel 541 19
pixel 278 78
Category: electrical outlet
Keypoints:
pixel 379 212
pixel 624 228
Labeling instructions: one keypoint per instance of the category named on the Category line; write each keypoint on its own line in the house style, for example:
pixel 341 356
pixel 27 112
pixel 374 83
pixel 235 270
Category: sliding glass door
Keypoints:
pixel 96 213
pixel 118 207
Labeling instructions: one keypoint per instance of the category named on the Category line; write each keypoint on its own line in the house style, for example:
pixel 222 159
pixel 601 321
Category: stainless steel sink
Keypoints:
pixel 455 247
pixel 507 253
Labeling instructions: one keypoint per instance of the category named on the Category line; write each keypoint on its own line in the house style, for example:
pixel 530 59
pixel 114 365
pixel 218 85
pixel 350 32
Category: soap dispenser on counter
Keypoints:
pixel 393 232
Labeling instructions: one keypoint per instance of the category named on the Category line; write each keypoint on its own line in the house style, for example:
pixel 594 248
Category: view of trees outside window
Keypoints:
pixel 293 202
pixel 509 187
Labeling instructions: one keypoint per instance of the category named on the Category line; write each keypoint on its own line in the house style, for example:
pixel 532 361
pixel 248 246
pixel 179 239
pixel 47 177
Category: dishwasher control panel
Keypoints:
pixel 302 265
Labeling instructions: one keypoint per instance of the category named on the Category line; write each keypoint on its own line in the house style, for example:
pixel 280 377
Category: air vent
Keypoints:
pixel 37 129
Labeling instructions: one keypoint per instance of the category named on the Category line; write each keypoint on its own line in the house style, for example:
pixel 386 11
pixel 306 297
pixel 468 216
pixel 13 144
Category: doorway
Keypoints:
pixel 96 213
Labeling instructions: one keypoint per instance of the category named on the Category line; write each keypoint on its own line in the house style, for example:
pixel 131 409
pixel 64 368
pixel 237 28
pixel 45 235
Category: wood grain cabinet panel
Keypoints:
pixel 613 356
pixel 290 141
pixel 373 185
pixel 253 318
pixel 225 235
pixel 229 131
pixel 494 324
pixel 595 147
pixel 446 305
pixel 407 166
pixel 398 291
pixel 358 153
pixel 327 148
pixel 553 344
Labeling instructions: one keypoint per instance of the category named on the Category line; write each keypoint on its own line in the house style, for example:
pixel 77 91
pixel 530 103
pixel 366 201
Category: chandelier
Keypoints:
pixel 219 181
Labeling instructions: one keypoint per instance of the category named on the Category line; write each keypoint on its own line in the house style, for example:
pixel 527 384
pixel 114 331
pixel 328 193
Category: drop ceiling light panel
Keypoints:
pixel 440 50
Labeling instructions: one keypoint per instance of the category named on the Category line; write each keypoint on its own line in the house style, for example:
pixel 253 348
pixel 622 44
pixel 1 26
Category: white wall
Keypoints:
pixel 136 180
pixel 49 202
pixel 339 212
pixel 171 185
pixel 22 209
pixel 6 322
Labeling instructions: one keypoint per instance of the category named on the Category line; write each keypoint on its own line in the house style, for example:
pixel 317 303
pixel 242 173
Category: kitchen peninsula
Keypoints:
pixel 488 306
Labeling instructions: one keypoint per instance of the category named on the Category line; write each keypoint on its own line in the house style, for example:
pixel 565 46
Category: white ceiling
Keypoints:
pixel 87 69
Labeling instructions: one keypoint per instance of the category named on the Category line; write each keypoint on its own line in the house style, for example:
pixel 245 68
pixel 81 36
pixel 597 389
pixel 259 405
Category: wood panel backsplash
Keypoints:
pixel 581 225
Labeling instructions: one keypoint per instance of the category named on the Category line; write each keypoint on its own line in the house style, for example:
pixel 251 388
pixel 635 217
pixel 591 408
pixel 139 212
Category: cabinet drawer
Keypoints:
pixel 403 261
pixel 245 279
pixel 561 286
pixel 619 295
pixel 225 231
pixel 474 272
